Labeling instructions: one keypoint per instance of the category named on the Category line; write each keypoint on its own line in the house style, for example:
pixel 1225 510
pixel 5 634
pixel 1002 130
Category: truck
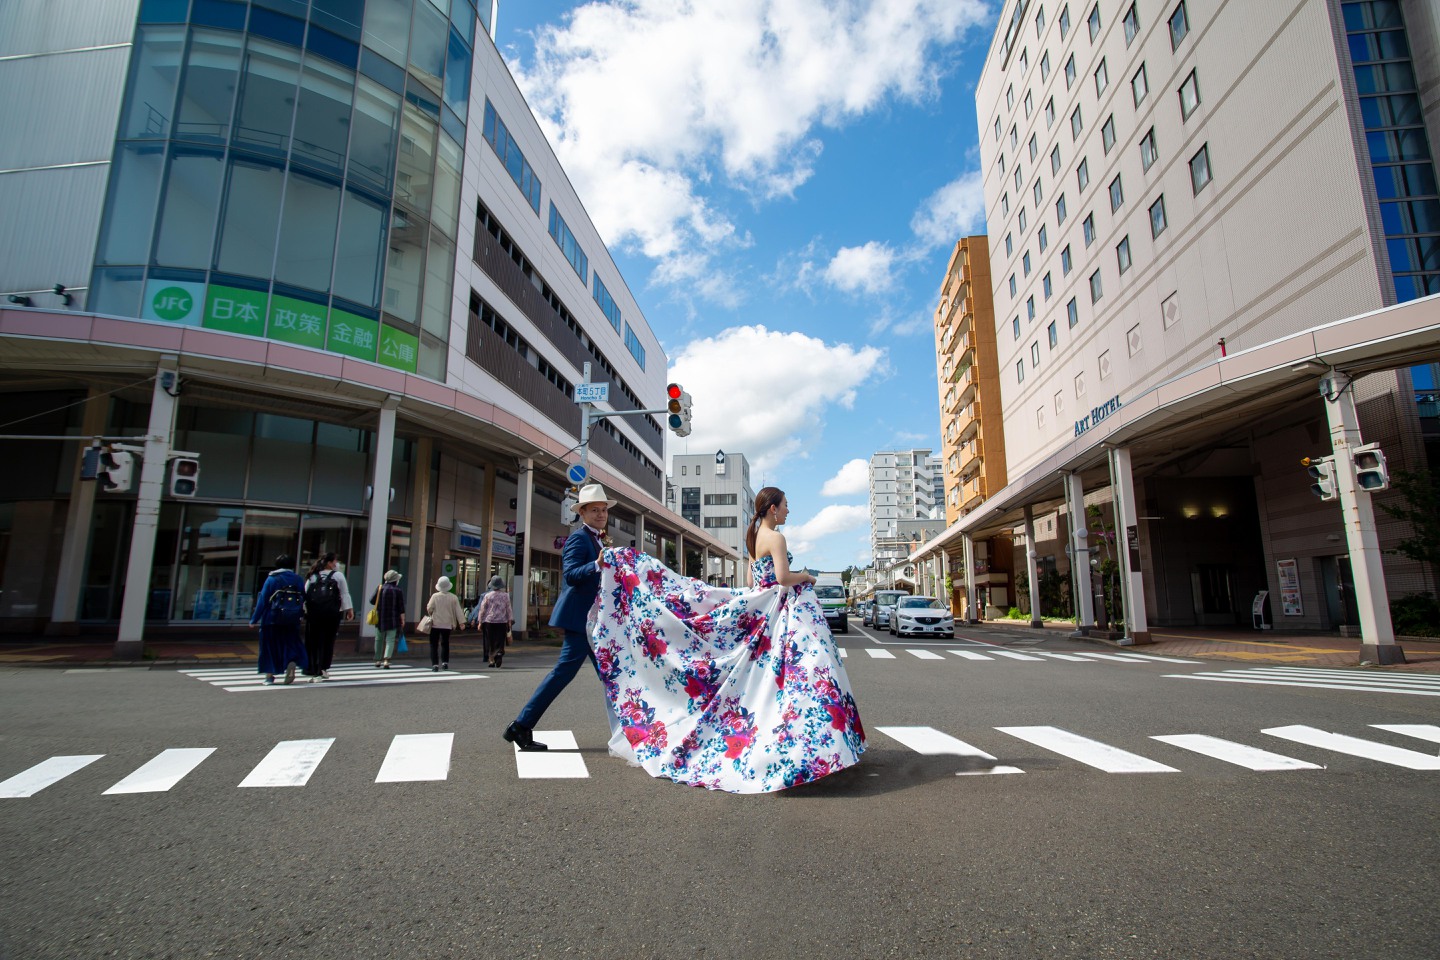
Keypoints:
pixel 830 591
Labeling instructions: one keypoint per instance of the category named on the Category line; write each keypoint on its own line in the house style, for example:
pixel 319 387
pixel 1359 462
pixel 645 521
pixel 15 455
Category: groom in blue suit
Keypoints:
pixel 581 573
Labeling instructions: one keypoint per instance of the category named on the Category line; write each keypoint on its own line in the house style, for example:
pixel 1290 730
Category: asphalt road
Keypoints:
pixel 897 857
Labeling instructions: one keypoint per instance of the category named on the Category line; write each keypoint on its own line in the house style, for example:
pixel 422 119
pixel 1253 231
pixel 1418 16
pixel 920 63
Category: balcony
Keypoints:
pixel 972 454
pixel 969 417
pixel 951 401
pixel 972 492
pixel 963 342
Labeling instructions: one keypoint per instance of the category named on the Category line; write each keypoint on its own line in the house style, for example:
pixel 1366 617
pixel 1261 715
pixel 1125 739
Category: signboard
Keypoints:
pixel 235 310
pixel 1132 538
pixel 577 473
pixel 450 567
pixel 1257 611
pixel 592 392
pixel 399 349
pixel 467 538
pixel 1097 414
pixel 1288 574
pixel 719 463
pixel 174 301
pixel 297 321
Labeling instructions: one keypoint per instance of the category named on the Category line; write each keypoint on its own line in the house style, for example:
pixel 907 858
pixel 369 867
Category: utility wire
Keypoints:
pixel 77 403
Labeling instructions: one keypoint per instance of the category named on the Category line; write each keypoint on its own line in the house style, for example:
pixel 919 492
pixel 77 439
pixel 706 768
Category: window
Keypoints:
pixel 1117 194
pixel 1020 220
pixel 1040 21
pixel 1012 285
pixel 1045 67
pixel 1132 24
pixel 1065 261
pixel 1017 176
pixel 712 522
pixel 1045 286
pixel 1005 204
pixel 1000 164
pixel 1107 133
pixel 1009 245
pixel 1025 263
pixel 1102 78
pixel 1179 25
pixel 997 129
pixel 684 470
pixel 1200 169
pixel 1093 22
pixel 565 240
pixel 1053 334
pixel 1139 85
pixel 1095 290
pixel 1040 235
pixel 607 303
pixel 1060 210
pixel 1065 20
pixel 1148 154
pixel 721 500
pixel 1034 147
pixel 1072 314
pixel 1024 60
pixel 1122 254
pixel 1029 105
pixel 1038 193
pixel 1015 326
pixel 1082 173
pixel 1020 370
pixel 498 136
pixel 1014 136
pixel 1009 98
pixel 1189 96
pixel 1030 308
pixel 1076 124
pixel 636 348
pixel 1055 161
pixel 1157 216
pixel 1035 354
pixel 1049 113
pixel 1088 228
pixel 1069 71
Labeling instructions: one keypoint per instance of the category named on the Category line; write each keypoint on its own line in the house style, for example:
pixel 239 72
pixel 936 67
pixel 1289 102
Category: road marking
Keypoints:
pixel 844 654
pixel 931 743
pixel 925 654
pixel 1252 758
pixel 552 764
pixel 1356 747
pixel 1118 658
pixel 289 764
pixel 1151 656
pixel 1425 731
pixel 246 680
pixel 1102 756
pixel 880 654
pixel 1418 681
pixel 969 655
pixel 29 782
pixel 1379 685
pixel 1017 656
pixel 1064 656
pixel 163 771
pixel 417 756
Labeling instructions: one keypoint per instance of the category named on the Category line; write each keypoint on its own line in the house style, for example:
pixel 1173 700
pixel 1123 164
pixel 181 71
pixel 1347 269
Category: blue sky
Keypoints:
pixel 781 183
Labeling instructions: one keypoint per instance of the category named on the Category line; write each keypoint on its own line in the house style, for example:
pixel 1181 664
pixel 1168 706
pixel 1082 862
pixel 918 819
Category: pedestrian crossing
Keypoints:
pixel 426 757
pixel 246 680
pixel 1412 684
pixel 993 654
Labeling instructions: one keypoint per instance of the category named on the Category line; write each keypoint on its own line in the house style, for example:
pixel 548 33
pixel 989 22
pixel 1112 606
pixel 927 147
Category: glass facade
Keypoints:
pixel 290 169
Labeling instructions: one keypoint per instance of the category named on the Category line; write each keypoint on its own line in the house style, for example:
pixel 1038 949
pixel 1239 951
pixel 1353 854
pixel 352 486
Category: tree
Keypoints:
pixel 1420 507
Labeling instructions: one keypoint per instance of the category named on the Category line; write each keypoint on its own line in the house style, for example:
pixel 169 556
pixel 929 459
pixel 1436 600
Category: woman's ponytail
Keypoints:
pixel 767 497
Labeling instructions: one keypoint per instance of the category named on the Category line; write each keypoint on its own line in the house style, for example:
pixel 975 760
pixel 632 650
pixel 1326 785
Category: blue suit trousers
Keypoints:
pixel 574 652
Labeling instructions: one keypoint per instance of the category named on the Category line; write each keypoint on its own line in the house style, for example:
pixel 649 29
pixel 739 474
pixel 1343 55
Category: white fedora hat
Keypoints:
pixel 593 493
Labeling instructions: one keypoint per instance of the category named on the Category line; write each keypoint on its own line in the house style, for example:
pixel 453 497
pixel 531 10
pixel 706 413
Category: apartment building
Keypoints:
pixel 903 487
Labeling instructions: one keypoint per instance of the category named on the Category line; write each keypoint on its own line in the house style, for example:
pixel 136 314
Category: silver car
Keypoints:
pixel 922 616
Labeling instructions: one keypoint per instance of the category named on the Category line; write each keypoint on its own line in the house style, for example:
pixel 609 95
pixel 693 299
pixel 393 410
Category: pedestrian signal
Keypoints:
pixel 1322 472
pixel 1370 470
pixel 116 471
pixel 679 407
pixel 184 477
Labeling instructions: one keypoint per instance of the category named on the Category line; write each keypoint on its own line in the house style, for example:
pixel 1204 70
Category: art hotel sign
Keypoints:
pixel 1097 414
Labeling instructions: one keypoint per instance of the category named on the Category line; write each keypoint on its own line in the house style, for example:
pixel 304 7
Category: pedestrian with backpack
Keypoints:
pixel 327 602
pixel 278 613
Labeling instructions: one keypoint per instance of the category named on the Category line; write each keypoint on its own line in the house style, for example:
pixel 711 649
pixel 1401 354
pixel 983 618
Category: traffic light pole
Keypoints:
pixel 1377 633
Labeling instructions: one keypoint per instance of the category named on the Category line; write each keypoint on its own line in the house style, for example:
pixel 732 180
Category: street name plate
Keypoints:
pixel 592 392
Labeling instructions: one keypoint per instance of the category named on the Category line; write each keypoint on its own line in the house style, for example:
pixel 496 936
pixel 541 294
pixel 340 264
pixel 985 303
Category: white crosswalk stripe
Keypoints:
pixel 417 756
pixel 931 742
pixel 925 654
pixel 878 654
pixel 969 655
pixel 246 680
pixel 163 772
pixel 1251 758
pixel 1356 747
pixel 1018 656
pixel 29 782
pixel 1102 756
pixel 1064 656
pixel 559 762
pixel 290 764
pixel 1316 678
pixel 1425 731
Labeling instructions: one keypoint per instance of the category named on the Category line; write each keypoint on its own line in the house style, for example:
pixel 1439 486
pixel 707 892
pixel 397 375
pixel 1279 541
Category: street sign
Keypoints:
pixel 577 473
pixel 592 392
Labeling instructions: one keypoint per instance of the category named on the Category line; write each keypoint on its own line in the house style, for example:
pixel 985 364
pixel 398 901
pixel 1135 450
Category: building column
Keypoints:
pixel 945 581
pixel 1032 574
pixel 1127 534
pixel 377 543
pixel 70 577
pixel 1080 578
pixel 680 553
pixel 520 586
pixel 130 642
pixel 1377 632
pixel 973 613
pixel 420 589
pixel 488 496
pixel 639 531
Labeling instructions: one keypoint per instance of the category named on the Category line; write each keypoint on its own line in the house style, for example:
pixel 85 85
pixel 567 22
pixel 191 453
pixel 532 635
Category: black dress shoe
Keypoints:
pixel 523 738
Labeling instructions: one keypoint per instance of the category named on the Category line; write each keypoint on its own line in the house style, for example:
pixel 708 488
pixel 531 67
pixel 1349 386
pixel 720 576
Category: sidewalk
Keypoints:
pixel 1250 646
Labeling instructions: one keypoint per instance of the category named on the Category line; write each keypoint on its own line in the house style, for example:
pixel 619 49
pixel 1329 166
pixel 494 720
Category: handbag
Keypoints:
pixel 424 625
pixel 373 617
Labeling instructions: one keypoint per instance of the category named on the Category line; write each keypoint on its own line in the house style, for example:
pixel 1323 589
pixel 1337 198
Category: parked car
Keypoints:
pixel 922 616
pixel 884 603
pixel 830 591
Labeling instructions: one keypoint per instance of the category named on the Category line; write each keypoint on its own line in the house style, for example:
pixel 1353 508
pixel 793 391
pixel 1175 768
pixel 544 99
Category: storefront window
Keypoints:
pixel 268 533
pixel 209 545
pixel 280 464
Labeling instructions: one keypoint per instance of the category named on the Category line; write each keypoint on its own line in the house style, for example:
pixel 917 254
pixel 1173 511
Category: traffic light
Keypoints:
pixel 116 470
pixel 1370 471
pixel 1322 471
pixel 679 407
pixel 184 477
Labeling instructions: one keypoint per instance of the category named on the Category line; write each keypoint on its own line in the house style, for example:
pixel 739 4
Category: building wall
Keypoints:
pixel 697 478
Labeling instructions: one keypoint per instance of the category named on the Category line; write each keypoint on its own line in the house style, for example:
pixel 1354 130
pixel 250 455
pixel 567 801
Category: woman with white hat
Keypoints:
pixel 445 615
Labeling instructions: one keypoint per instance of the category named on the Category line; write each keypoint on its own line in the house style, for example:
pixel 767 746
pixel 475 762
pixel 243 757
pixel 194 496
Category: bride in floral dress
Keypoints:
pixel 736 690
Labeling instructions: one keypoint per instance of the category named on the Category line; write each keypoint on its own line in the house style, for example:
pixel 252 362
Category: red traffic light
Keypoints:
pixel 674 390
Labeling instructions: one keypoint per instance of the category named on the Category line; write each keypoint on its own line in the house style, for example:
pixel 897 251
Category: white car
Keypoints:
pixel 922 616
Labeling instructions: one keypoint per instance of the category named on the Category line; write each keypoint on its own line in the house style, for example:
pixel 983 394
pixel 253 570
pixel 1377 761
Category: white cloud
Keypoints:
pixel 862 269
pixel 835 518
pixel 647 102
pixel 765 393
pixel 955 210
pixel 853 477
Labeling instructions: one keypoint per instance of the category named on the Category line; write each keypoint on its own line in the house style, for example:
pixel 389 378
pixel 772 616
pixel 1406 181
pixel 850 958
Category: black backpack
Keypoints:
pixel 286 606
pixel 322 596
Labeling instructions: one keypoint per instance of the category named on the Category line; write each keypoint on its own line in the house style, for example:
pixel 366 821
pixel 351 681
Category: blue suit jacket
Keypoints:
pixel 582 581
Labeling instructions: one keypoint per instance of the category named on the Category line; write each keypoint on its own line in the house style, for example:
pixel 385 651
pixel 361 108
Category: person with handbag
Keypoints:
pixel 389 601
pixel 442 614
pixel 327 602
pixel 496 617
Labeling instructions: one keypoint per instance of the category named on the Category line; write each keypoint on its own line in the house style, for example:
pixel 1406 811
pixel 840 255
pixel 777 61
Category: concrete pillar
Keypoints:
pixel 639 532
pixel 421 582
pixel 377 542
pixel 520 587
pixel 1127 537
pixel 973 613
pixel 1031 558
pixel 945 581
pixel 680 553
pixel 1080 579
pixel 1377 633
pixel 70 577
pixel 130 641
pixel 489 522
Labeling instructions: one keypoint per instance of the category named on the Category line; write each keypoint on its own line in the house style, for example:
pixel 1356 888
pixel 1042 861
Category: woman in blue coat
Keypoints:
pixel 277 613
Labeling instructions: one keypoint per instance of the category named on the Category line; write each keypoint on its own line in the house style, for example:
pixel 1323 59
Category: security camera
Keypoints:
pixel 21 299
pixel 60 292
